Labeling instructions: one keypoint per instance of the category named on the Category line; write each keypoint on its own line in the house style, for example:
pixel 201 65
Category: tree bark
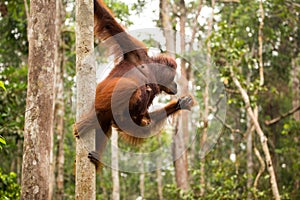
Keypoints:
pixel 115 165
pixel 38 136
pixel 180 162
pixel 85 186
pixel 263 138
pixel 180 158
pixel 167 27
pixel 179 151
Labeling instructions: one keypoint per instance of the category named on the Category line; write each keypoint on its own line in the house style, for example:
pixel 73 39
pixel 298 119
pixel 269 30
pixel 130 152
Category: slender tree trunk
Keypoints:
pixel 296 101
pixel 195 29
pixel 85 186
pixel 59 106
pixel 38 136
pixel 260 171
pixel 19 161
pixel 115 165
pixel 167 27
pixel 249 158
pixel 179 151
pixel 180 158
pixel 263 138
pixel 296 86
pixel 181 174
pixel 206 101
pixel 249 146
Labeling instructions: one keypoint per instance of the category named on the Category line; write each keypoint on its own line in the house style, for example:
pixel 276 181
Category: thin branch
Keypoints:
pixel 232 130
pixel 28 17
pixel 27 10
pixel 294 3
pixel 261 170
pixel 175 10
pixel 249 130
pixel 196 25
pixel 232 91
pixel 277 119
pixel 260 42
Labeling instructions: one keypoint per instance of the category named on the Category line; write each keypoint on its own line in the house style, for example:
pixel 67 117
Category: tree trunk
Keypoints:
pixel 19 161
pixel 59 106
pixel 85 186
pixel 296 101
pixel 249 147
pixel 179 154
pixel 166 21
pixel 179 151
pixel 57 156
pixel 115 165
pixel 206 101
pixel 249 158
pixel 38 137
pixel 180 158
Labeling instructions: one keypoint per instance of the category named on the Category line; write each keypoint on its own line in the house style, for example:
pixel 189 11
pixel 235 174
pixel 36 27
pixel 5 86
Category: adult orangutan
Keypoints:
pixel 124 96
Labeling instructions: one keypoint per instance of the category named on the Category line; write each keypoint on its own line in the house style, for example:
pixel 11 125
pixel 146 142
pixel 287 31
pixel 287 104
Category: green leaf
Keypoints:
pixel 2 140
pixel 2 85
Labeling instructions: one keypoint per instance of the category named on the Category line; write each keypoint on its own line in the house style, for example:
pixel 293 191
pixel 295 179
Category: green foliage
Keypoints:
pixel 2 85
pixel 291 127
pixel 2 142
pixel 13 40
pixel 9 189
pixel 172 192
pixel 234 45
pixel 12 101
pixel 121 11
pixel 139 6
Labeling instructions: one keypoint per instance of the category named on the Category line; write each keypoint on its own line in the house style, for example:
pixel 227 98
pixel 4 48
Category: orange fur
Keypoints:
pixel 131 86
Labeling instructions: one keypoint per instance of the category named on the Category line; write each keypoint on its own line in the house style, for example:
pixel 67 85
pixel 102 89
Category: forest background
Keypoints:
pixel 254 46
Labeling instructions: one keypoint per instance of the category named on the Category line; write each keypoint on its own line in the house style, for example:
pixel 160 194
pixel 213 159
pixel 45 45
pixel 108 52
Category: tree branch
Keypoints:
pixel 232 130
pixel 277 119
pixel 195 27
pixel 261 170
pixel 27 10
pixel 260 42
